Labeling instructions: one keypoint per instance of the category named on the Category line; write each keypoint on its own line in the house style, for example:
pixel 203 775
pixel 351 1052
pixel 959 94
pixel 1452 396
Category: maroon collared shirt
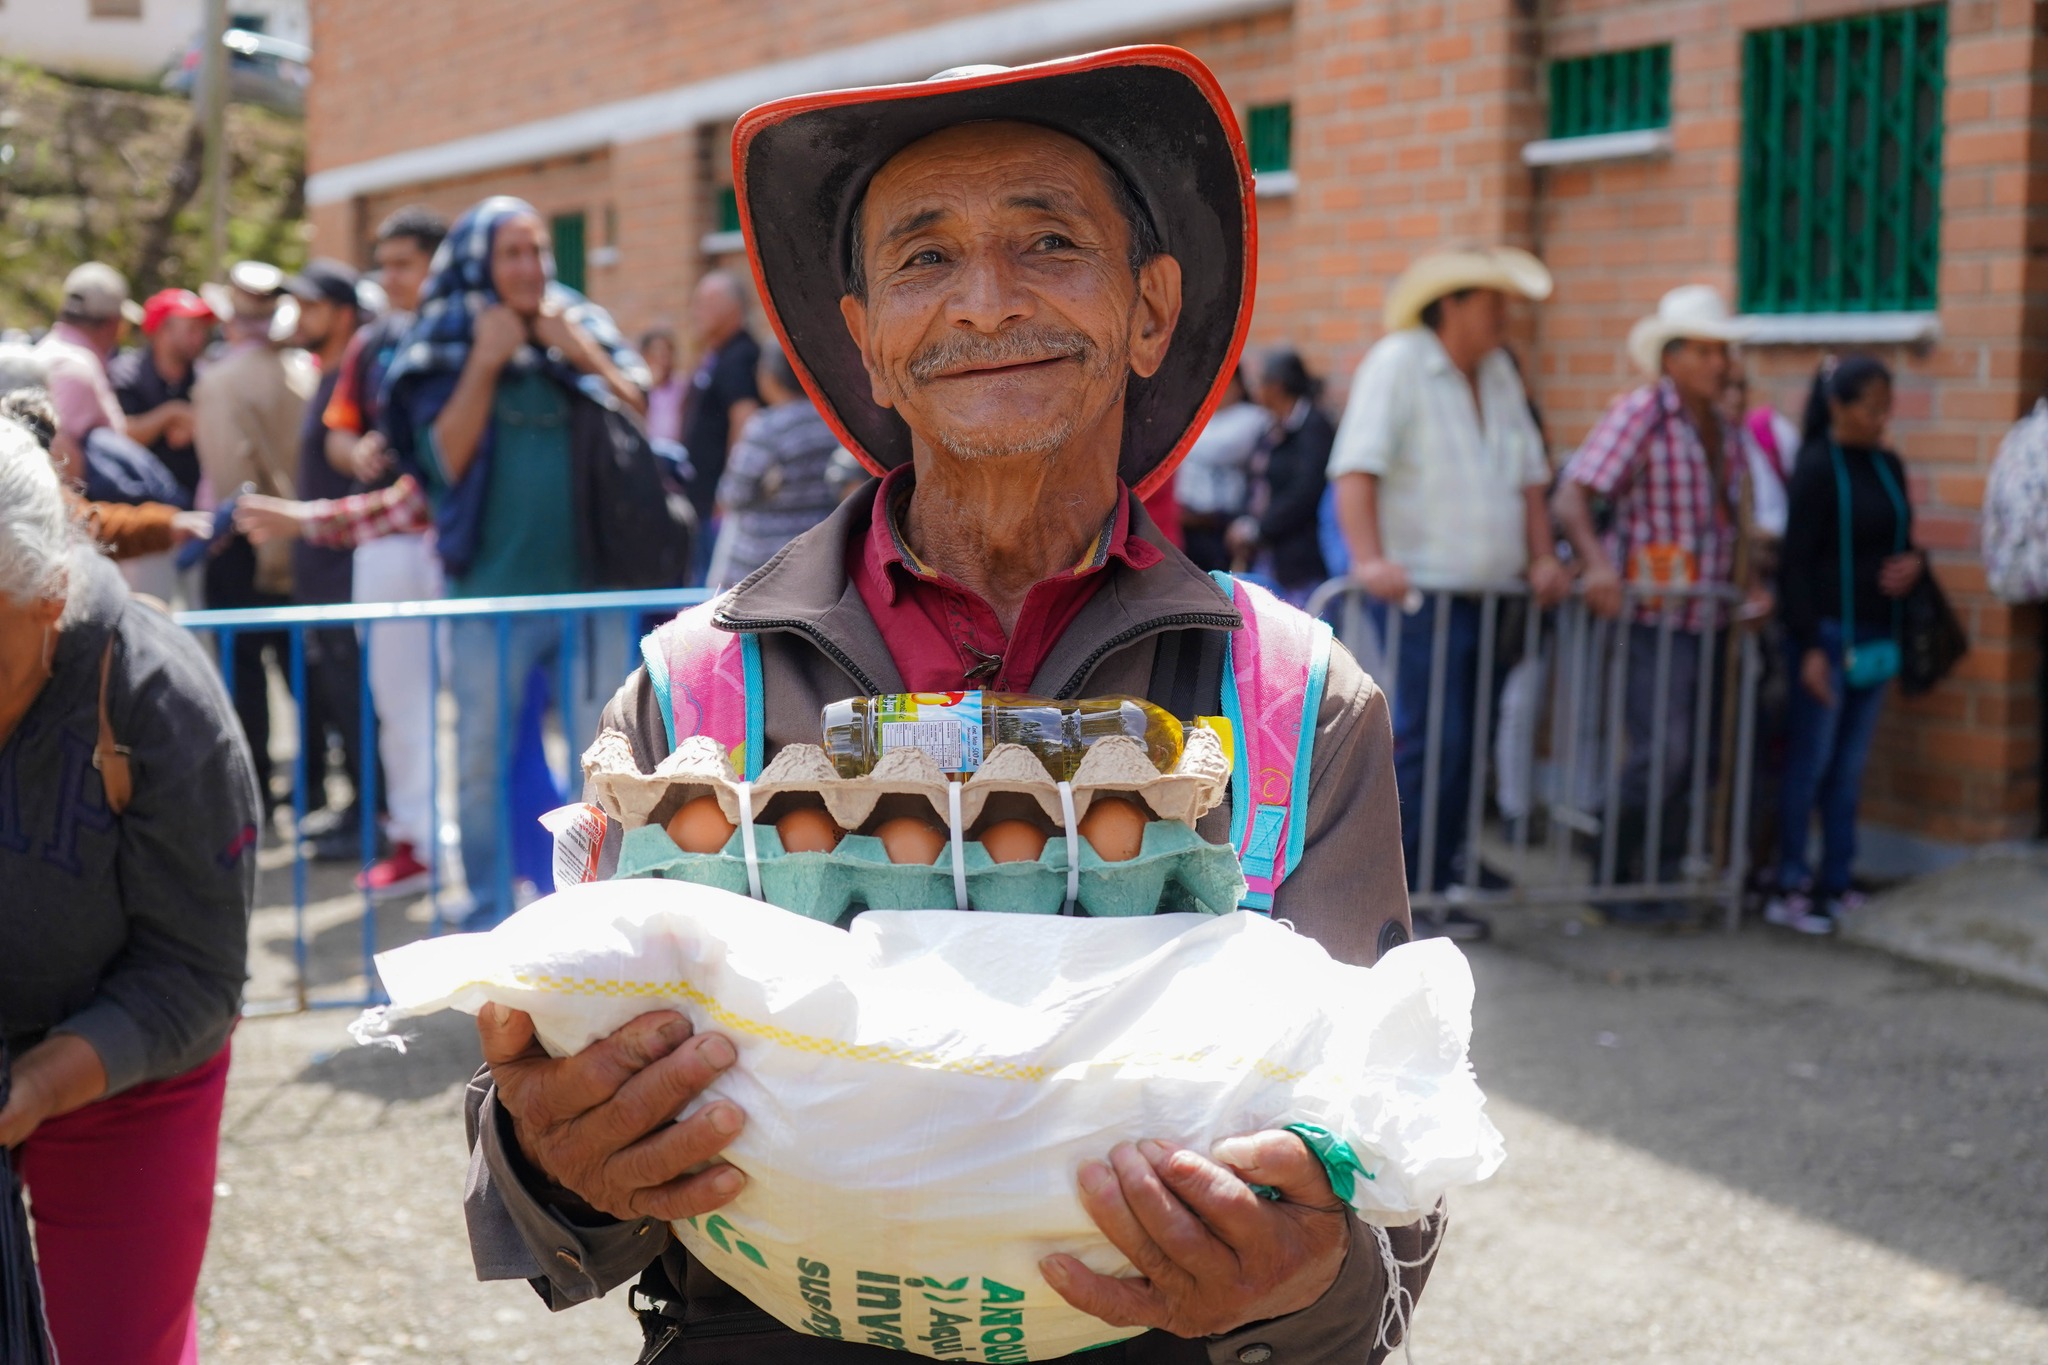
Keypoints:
pixel 943 636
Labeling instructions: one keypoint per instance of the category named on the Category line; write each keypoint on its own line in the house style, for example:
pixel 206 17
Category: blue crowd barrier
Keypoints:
pixel 503 615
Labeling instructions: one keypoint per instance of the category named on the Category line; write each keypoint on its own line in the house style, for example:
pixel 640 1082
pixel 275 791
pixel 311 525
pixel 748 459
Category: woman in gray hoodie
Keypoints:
pixel 128 861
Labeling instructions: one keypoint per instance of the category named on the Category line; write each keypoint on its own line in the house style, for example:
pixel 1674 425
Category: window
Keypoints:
pixel 1841 164
pixel 115 9
pixel 1270 136
pixel 728 209
pixel 1611 92
pixel 567 230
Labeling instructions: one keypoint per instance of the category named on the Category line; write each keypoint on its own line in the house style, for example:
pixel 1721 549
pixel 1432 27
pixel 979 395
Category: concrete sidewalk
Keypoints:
pixel 1987 915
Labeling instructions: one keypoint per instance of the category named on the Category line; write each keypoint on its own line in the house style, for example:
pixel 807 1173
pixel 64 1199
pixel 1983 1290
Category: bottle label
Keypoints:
pixel 946 725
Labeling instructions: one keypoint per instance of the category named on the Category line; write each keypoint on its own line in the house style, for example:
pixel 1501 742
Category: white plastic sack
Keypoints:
pixel 920 1092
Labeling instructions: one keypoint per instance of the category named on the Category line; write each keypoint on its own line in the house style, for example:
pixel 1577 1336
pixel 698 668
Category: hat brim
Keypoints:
pixel 1155 113
pixel 1648 338
pixel 1508 269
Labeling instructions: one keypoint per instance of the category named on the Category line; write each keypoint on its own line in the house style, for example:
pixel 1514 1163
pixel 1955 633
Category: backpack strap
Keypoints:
pixel 707 681
pixel 1278 663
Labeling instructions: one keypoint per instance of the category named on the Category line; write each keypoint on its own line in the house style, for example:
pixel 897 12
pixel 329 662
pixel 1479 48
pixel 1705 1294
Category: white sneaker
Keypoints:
pixel 1787 908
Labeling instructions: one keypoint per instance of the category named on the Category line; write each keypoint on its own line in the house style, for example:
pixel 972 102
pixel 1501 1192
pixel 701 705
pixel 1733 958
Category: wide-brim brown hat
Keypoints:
pixel 802 165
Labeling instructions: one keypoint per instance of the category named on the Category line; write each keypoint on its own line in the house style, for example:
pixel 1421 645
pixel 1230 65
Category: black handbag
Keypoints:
pixel 632 530
pixel 1931 639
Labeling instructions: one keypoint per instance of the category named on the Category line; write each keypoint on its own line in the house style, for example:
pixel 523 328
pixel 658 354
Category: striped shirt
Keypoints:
pixel 1646 457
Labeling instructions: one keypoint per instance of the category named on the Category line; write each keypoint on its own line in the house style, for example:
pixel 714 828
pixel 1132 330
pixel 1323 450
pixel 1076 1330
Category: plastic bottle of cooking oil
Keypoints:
pixel 958 729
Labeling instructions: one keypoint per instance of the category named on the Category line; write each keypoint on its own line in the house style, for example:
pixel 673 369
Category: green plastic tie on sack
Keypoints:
pixel 1340 1163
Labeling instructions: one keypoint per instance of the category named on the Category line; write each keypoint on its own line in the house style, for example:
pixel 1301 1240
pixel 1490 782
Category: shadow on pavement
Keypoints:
pixel 440 1052
pixel 1890 1100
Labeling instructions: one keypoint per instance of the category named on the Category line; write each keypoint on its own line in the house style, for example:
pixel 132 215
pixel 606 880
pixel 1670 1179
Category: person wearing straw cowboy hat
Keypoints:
pixel 1015 294
pixel 1441 477
pixel 1676 478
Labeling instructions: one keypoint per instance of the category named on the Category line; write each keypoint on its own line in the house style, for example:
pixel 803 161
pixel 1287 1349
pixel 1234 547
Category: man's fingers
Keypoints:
pixel 576 1085
pixel 1165 1213
pixel 654 1095
pixel 1235 1219
pixel 1106 1199
pixel 1282 1160
pixel 506 1033
pixel 670 1151
pixel 1118 1302
pixel 691 1196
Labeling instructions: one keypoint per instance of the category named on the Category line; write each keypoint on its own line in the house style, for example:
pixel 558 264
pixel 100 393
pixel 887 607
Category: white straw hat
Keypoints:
pixel 1691 312
pixel 1506 268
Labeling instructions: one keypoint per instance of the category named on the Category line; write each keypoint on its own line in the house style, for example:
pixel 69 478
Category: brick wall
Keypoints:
pixel 1409 119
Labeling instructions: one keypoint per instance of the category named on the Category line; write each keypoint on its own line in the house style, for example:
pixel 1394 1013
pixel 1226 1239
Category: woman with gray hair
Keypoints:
pixel 127 847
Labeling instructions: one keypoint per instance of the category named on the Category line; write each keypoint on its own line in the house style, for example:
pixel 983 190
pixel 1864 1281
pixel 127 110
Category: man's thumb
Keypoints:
pixel 504 1032
pixel 1280 1160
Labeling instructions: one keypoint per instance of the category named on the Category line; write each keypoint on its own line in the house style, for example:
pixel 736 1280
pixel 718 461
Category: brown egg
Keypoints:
pixel 1115 828
pixel 1014 841
pixel 911 839
pixel 700 826
pixel 807 830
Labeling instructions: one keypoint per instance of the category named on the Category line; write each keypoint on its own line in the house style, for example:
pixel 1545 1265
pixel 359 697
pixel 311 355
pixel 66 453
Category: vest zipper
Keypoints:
pixel 816 637
pixel 1216 620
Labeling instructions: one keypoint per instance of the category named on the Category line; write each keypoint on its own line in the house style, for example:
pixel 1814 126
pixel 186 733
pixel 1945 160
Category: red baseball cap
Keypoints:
pixel 1157 117
pixel 173 303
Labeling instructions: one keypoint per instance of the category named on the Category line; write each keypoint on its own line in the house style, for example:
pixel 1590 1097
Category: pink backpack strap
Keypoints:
pixel 1274 670
pixel 1765 434
pixel 708 682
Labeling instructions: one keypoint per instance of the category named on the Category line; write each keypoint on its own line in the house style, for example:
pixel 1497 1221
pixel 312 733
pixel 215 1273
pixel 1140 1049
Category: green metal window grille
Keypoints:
pixel 1611 92
pixel 1841 164
pixel 728 210
pixel 567 230
pixel 1271 136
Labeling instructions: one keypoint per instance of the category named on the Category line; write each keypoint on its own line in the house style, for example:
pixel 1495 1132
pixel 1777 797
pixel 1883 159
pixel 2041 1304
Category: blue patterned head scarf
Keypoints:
pixel 459 287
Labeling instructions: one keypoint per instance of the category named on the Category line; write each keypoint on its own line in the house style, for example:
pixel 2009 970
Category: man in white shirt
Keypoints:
pixel 1440 476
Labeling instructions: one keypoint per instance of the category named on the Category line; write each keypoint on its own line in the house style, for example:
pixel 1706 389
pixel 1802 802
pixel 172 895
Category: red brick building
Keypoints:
pixel 1856 172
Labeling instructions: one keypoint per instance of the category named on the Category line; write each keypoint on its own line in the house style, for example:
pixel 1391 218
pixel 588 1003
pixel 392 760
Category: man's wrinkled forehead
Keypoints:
pixel 1041 168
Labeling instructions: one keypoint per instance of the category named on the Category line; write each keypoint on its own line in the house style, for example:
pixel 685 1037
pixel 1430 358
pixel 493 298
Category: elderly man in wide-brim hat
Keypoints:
pixel 1441 477
pixel 1677 479
pixel 1015 294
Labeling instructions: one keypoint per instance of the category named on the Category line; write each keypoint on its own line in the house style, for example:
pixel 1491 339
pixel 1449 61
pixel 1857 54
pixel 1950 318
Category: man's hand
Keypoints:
pixel 1603 590
pixel 498 335
pixel 1211 1255
pixel 1897 575
pixel 599 1124
pixel 1383 578
pixel 191 526
pixel 370 457
pixel 263 518
pixel 1549 581
pixel 553 331
pixel 1817 676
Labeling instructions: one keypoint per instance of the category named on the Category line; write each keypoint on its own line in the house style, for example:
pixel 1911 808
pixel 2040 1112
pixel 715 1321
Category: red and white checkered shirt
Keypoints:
pixel 1647 458
pixel 339 523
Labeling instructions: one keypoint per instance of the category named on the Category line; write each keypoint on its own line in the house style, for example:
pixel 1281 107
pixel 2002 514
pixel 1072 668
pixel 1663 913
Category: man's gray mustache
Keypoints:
pixel 1009 348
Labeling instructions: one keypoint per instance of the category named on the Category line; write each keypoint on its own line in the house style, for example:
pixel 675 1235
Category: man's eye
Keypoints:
pixel 1053 241
pixel 929 256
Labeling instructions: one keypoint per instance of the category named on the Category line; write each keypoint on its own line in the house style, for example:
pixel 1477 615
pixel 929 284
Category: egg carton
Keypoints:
pixel 1175 870
pixel 1117 766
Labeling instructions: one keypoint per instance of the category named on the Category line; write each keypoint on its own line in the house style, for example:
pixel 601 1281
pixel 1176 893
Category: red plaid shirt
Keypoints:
pixel 1647 458
pixel 339 523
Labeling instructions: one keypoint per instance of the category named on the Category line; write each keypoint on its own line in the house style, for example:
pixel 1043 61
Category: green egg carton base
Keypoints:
pixel 1175 870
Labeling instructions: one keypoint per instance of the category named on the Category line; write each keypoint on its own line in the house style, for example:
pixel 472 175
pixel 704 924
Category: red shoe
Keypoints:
pixel 401 874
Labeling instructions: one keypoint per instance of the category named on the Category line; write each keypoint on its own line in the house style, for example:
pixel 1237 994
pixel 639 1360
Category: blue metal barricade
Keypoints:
pixel 587 642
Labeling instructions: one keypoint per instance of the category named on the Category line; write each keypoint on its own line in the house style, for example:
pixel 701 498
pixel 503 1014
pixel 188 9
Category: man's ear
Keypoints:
pixel 1156 315
pixel 855 310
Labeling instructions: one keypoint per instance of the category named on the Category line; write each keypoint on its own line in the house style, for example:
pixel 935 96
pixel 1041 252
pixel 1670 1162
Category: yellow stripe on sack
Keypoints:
pixel 876 1052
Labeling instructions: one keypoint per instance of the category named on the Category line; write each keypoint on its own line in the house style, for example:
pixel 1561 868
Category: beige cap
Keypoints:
pixel 95 292
pixel 1691 312
pixel 1508 269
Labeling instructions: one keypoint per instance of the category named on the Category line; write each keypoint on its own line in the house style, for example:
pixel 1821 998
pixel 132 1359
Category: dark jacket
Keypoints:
pixel 1810 562
pixel 1294 475
pixel 818 643
pixel 131 931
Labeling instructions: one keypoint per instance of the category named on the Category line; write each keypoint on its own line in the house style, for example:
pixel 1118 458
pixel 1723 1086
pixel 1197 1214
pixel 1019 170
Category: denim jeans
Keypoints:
pixel 1826 750
pixel 1459 698
pixel 1642 703
pixel 483 734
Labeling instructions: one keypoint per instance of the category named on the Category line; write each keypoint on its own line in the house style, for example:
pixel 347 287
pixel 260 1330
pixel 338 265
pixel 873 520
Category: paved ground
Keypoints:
pixel 1987 914
pixel 1720 1149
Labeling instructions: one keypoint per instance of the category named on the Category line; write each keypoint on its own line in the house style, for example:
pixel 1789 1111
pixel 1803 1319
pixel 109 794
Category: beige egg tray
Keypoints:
pixel 1114 766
